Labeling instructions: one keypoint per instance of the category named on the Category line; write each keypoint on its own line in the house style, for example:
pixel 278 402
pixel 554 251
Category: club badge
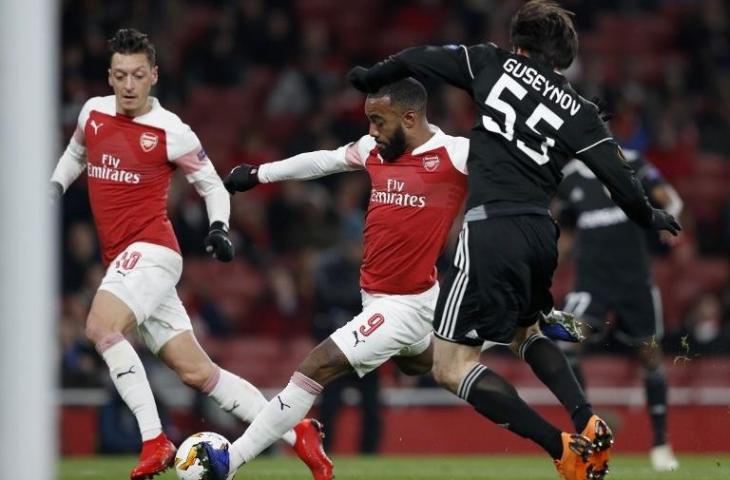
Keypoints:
pixel 148 141
pixel 431 162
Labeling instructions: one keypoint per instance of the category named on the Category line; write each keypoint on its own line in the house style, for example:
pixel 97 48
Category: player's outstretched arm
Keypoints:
pixel 454 64
pixel 607 162
pixel 305 166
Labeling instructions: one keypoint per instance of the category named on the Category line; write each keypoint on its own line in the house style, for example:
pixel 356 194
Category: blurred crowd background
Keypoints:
pixel 263 80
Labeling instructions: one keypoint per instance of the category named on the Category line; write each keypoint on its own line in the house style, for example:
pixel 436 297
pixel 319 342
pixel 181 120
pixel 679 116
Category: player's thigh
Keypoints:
pixel 638 316
pixel 142 276
pixel 108 314
pixel 453 361
pixel 165 323
pixel 389 325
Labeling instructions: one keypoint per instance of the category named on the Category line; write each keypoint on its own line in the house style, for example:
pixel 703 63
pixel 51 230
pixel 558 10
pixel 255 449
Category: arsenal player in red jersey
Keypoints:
pixel 129 146
pixel 418 178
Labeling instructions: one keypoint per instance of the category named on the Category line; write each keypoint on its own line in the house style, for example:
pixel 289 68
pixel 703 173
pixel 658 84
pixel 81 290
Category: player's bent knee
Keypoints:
pixel 97 330
pixel 524 337
pixel 446 376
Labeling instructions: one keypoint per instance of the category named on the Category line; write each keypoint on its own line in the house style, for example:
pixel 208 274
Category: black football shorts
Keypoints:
pixel 500 279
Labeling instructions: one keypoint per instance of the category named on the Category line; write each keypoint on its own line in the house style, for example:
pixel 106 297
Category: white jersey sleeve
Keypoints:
pixel 73 160
pixel 186 152
pixel 320 163
pixel 458 148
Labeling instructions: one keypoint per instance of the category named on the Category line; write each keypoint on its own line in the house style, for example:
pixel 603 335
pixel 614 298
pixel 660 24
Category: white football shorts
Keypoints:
pixel 389 325
pixel 144 277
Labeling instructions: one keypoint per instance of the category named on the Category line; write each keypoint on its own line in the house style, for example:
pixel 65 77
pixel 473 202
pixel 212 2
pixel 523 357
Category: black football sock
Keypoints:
pixel 494 398
pixel 552 368
pixel 655 384
pixel 571 354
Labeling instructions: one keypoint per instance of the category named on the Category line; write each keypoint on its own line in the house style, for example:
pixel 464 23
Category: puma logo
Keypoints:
pixel 235 406
pixel 96 126
pixel 357 339
pixel 128 372
pixel 281 403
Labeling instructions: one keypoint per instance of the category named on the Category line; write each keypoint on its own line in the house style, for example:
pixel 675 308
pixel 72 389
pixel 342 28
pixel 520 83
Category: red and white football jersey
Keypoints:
pixel 130 161
pixel 413 203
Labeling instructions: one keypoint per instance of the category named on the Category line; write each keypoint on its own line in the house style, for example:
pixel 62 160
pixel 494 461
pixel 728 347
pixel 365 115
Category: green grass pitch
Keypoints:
pixel 513 467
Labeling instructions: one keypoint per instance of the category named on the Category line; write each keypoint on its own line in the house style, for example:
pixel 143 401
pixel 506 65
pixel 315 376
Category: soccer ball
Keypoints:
pixel 187 459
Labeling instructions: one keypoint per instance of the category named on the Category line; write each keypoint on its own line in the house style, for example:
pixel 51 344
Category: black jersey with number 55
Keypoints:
pixel 530 123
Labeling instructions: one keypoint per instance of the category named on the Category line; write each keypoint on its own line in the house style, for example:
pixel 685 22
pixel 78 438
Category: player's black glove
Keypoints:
pixel 661 220
pixel 358 78
pixel 55 192
pixel 243 177
pixel 218 243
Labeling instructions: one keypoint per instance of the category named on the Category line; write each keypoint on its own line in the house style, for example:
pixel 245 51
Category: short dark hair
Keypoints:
pixel 545 30
pixel 130 40
pixel 408 93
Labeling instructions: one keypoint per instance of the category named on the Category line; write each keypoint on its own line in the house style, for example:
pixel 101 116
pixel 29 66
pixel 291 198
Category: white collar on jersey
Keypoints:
pixel 434 142
pixel 154 103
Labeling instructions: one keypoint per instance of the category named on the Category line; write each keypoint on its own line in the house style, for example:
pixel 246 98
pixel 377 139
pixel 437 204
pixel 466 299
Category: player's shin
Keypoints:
pixel 238 397
pixel 282 413
pixel 494 398
pixel 130 380
pixel 552 368
pixel 655 384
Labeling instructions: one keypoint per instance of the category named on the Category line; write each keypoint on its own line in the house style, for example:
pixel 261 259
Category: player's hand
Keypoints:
pixel 243 177
pixel 668 239
pixel 661 220
pixel 55 192
pixel 358 78
pixel 218 243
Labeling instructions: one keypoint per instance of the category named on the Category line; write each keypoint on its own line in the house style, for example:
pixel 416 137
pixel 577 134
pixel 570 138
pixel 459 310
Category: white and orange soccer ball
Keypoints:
pixel 188 465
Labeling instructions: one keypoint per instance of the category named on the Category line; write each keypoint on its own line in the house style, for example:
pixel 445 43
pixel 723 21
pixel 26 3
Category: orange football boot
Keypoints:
pixel 601 437
pixel 573 464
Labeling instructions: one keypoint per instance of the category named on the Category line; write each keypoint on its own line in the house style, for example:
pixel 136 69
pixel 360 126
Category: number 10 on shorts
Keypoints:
pixel 128 260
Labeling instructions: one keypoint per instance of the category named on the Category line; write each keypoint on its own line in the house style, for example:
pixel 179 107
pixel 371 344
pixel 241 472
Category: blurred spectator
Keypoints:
pixel 80 254
pixel 705 328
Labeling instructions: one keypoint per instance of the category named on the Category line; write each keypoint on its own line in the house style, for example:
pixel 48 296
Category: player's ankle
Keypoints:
pixel 581 416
